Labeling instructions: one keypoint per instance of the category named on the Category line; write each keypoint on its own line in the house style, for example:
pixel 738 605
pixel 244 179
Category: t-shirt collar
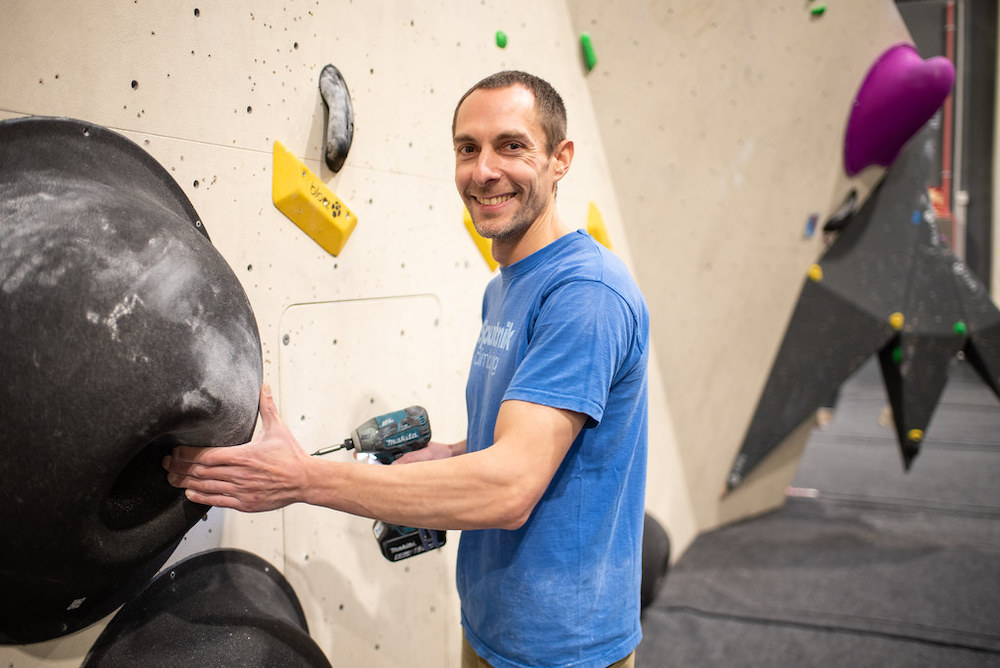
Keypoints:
pixel 539 257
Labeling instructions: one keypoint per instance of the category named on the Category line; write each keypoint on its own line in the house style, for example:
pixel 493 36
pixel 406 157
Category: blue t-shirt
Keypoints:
pixel 565 327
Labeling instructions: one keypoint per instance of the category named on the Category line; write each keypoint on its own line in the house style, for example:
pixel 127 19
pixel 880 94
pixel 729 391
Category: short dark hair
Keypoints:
pixel 548 105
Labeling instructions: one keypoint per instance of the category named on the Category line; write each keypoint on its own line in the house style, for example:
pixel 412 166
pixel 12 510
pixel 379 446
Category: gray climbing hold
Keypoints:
pixel 125 333
pixel 340 118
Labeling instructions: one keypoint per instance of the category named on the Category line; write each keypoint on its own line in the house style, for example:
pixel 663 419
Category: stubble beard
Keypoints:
pixel 518 225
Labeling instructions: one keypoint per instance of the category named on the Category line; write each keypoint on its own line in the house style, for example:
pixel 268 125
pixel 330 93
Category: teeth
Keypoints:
pixel 494 200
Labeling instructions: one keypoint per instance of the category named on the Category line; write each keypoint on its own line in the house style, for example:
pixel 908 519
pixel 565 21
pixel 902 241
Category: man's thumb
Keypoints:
pixel 268 409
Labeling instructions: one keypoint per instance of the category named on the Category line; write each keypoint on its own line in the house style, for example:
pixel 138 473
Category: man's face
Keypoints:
pixel 502 169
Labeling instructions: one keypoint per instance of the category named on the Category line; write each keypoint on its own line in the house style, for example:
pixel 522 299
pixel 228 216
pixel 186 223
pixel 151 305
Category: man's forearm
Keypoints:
pixel 473 491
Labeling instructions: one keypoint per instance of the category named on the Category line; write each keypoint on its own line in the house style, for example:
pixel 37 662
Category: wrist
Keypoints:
pixel 318 476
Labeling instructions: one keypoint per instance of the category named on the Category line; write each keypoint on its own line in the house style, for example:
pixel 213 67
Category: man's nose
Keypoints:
pixel 486 168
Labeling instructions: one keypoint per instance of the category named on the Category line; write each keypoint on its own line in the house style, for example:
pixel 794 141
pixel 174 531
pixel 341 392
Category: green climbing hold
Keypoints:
pixel 818 10
pixel 589 57
pixel 897 354
pixel 501 39
pixel 960 328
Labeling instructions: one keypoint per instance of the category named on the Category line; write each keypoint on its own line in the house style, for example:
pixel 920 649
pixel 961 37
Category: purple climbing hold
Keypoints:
pixel 898 96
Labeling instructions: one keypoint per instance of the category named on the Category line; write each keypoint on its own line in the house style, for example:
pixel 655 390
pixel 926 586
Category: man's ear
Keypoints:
pixel 563 157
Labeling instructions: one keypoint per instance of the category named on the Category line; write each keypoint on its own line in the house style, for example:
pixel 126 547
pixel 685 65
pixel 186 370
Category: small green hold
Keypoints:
pixel 589 57
pixel 818 10
pixel 960 328
pixel 501 39
pixel 897 354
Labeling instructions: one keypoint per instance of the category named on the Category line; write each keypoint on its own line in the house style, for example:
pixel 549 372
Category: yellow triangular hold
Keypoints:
pixel 595 226
pixel 484 245
pixel 304 198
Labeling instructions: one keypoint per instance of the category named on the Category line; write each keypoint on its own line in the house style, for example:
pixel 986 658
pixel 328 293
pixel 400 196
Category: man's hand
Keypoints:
pixel 434 450
pixel 268 472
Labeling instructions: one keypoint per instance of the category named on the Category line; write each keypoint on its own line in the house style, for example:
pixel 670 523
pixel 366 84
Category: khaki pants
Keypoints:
pixel 472 660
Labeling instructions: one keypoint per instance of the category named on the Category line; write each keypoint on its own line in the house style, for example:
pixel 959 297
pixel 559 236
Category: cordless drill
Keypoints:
pixel 388 437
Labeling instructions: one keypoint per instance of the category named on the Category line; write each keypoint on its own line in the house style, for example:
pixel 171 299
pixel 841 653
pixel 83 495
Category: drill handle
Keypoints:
pixel 389 457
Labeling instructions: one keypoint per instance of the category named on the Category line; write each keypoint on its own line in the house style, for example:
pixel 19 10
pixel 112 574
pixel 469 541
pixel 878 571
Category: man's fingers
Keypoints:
pixel 223 495
pixel 205 479
pixel 213 492
pixel 189 478
pixel 433 450
pixel 181 454
pixel 186 455
pixel 413 456
pixel 217 500
pixel 268 409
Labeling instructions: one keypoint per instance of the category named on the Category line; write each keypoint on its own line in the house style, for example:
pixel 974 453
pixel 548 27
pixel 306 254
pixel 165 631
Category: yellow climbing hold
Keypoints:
pixel 304 198
pixel 595 226
pixel 484 245
pixel 816 273
pixel 897 320
pixel 915 435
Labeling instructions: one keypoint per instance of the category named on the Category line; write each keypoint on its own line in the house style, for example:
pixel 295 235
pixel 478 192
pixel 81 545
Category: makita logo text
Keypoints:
pixel 405 437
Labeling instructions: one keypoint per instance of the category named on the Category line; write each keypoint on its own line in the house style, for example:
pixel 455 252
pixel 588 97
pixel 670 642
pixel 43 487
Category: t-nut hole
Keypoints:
pixel 141 491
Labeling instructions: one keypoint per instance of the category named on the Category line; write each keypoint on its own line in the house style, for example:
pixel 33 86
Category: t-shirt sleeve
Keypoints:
pixel 575 350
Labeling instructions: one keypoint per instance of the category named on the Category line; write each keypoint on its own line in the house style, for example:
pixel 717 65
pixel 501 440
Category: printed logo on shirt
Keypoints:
pixel 493 339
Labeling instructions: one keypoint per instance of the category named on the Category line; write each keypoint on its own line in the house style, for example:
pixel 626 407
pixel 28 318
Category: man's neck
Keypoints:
pixel 547 228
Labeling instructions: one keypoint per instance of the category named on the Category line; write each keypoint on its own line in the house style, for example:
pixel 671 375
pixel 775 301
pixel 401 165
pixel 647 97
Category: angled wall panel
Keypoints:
pixel 723 125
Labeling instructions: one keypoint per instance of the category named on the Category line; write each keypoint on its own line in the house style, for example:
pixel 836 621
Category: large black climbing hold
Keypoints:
pixel 890 286
pixel 340 117
pixel 655 560
pixel 124 332
pixel 217 608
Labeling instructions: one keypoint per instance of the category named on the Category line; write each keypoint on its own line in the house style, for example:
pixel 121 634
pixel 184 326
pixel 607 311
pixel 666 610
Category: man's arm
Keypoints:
pixel 497 487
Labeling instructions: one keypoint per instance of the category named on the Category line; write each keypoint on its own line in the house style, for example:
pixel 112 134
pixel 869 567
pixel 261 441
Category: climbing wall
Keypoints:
pixel 727 161
pixel 207 89
pixel 709 140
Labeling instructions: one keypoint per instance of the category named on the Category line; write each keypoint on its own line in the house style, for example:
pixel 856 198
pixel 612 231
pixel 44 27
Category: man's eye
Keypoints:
pixel 513 146
pixel 464 149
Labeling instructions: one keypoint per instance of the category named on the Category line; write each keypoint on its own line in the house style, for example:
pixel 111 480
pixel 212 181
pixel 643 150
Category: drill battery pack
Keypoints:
pixel 399 542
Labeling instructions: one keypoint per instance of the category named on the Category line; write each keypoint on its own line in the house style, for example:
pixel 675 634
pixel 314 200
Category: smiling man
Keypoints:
pixel 549 485
pixel 561 589
pixel 509 156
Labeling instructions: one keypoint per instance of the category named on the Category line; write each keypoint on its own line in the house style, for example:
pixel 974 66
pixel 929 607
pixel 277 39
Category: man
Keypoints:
pixel 549 485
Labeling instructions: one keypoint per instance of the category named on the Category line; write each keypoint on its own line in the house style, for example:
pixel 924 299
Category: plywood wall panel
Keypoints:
pixel 212 93
pixel 378 355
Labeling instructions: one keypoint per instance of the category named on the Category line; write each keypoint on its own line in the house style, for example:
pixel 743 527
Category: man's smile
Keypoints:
pixel 493 201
